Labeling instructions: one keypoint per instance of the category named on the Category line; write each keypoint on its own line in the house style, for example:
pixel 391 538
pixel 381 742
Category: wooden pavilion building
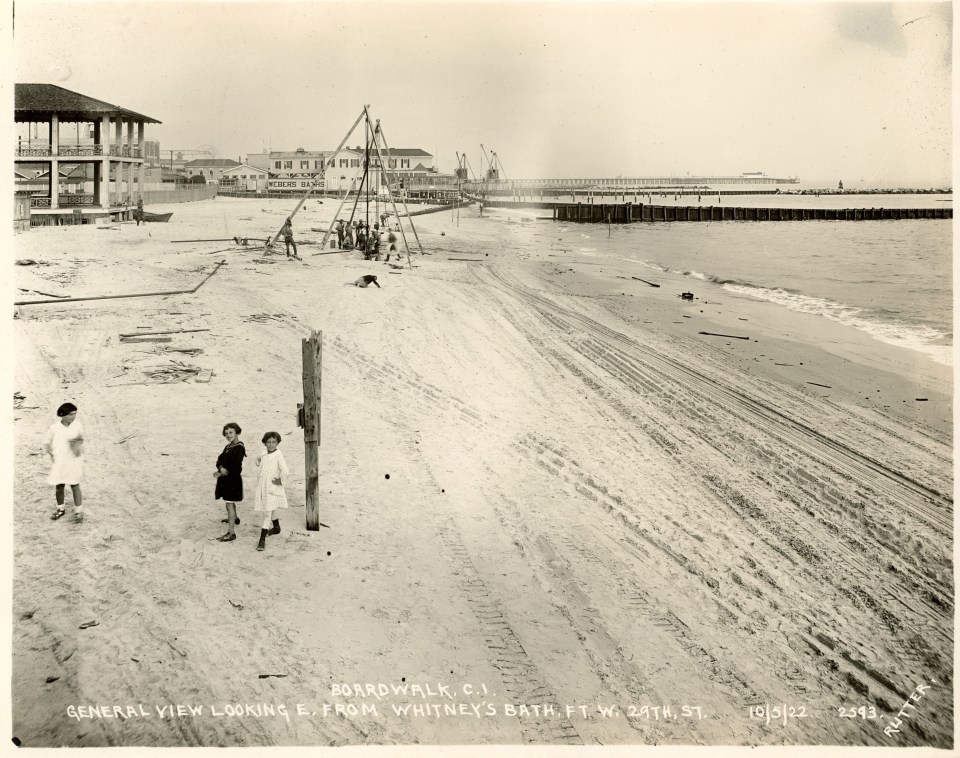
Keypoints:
pixel 59 129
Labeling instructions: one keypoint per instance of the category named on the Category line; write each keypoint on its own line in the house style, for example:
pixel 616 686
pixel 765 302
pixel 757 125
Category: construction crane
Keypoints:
pixel 461 172
pixel 473 173
pixel 490 173
pixel 498 166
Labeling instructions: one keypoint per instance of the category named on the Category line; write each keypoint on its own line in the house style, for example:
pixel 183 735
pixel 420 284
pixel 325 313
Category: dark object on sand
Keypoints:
pixel 365 281
pixel 714 334
pixel 164 217
pixel 686 295
pixel 646 282
pixel 825 386
pixel 920 399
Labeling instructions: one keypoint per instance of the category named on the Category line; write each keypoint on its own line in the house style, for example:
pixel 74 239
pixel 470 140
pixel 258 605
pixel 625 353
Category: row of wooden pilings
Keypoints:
pixel 628 213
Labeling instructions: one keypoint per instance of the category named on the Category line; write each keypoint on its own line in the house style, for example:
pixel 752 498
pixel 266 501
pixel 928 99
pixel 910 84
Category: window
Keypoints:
pixel 276 164
pixel 354 162
pixel 404 163
pixel 318 164
pixel 288 164
pixel 304 164
pixel 344 163
pixel 392 163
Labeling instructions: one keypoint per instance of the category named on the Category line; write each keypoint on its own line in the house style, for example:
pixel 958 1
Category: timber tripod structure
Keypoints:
pixel 377 142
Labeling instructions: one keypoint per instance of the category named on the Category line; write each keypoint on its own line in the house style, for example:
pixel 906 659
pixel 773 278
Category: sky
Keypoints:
pixel 824 91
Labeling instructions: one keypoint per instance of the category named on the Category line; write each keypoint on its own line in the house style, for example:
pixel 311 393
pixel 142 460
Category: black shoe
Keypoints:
pixel 276 527
pixel 263 540
pixel 224 521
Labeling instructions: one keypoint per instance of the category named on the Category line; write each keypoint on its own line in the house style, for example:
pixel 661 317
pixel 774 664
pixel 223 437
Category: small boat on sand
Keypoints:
pixel 157 216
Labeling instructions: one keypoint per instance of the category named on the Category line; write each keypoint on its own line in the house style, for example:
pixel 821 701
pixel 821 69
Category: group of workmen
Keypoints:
pixel 359 235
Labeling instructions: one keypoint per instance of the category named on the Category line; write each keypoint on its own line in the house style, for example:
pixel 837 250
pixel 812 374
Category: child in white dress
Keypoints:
pixel 64 444
pixel 271 496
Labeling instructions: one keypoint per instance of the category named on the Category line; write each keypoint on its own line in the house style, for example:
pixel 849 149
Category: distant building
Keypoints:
pixel 175 160
pixel 151 152
pixel 21 211
pixel 211 169
pixel 245 178
pixel 295 170
pixel 80 143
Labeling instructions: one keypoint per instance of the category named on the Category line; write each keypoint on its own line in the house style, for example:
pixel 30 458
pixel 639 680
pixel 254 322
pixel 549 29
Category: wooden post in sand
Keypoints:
pixel 312 364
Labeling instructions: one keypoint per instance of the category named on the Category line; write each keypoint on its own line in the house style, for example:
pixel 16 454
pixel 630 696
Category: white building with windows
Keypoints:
pixel 295 170
pixel 245 178
pixel 211 169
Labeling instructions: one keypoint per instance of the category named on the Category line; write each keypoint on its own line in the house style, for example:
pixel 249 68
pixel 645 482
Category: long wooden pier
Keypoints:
pixel 627 213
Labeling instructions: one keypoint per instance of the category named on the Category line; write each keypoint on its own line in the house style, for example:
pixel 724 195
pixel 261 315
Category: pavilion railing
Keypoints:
pixel 33 150
pixel 123 151
pixel 81 149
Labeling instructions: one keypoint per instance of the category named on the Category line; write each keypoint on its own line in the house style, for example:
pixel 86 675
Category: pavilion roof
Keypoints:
pixel 40 101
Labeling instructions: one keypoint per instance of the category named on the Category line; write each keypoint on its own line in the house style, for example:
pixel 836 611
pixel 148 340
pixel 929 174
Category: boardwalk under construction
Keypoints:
pixel 626 213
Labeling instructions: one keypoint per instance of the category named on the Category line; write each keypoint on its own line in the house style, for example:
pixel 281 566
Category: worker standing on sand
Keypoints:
pixel 362 237
pixel 287 232
pixel 229 481
pixel 392 242
pixel 64 444
pixel 340 233
pixel 138 213
pixel 270 493
pixel 376 242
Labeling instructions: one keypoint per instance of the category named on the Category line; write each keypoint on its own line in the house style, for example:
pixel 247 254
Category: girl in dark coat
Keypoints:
pixel 229 482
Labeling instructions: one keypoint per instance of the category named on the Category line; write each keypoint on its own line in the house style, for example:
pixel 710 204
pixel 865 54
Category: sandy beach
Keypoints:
pixel 544 487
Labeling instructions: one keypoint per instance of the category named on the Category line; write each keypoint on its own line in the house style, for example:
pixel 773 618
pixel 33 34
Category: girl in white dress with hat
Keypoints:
pixel 271 496
pixel 64 444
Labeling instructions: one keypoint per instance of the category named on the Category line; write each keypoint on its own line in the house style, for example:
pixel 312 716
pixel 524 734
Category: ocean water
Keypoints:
pixel 891 279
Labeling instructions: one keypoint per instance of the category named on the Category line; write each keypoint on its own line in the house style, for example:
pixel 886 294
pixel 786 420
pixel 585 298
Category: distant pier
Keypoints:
pixel 627 213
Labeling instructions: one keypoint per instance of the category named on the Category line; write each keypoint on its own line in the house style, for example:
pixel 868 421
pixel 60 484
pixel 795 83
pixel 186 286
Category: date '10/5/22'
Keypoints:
pixel 777 713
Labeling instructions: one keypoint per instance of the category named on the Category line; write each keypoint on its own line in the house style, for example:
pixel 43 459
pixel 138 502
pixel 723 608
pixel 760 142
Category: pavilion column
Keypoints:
pixel 129 166
pixel 103 181
pixel 54 183
pixel 54 134
pixel 142 145
pixel 118 163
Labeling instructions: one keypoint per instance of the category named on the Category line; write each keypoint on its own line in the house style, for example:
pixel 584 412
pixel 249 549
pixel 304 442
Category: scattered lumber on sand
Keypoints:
pixel 817 384
pixel 731 336
pixel 170 331
pixel 644 281
pixel 116 297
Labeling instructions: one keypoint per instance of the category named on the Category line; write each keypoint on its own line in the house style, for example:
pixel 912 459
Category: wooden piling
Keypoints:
pixel 312 348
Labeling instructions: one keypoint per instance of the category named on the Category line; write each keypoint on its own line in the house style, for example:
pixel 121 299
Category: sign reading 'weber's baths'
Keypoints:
pixel 295 184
